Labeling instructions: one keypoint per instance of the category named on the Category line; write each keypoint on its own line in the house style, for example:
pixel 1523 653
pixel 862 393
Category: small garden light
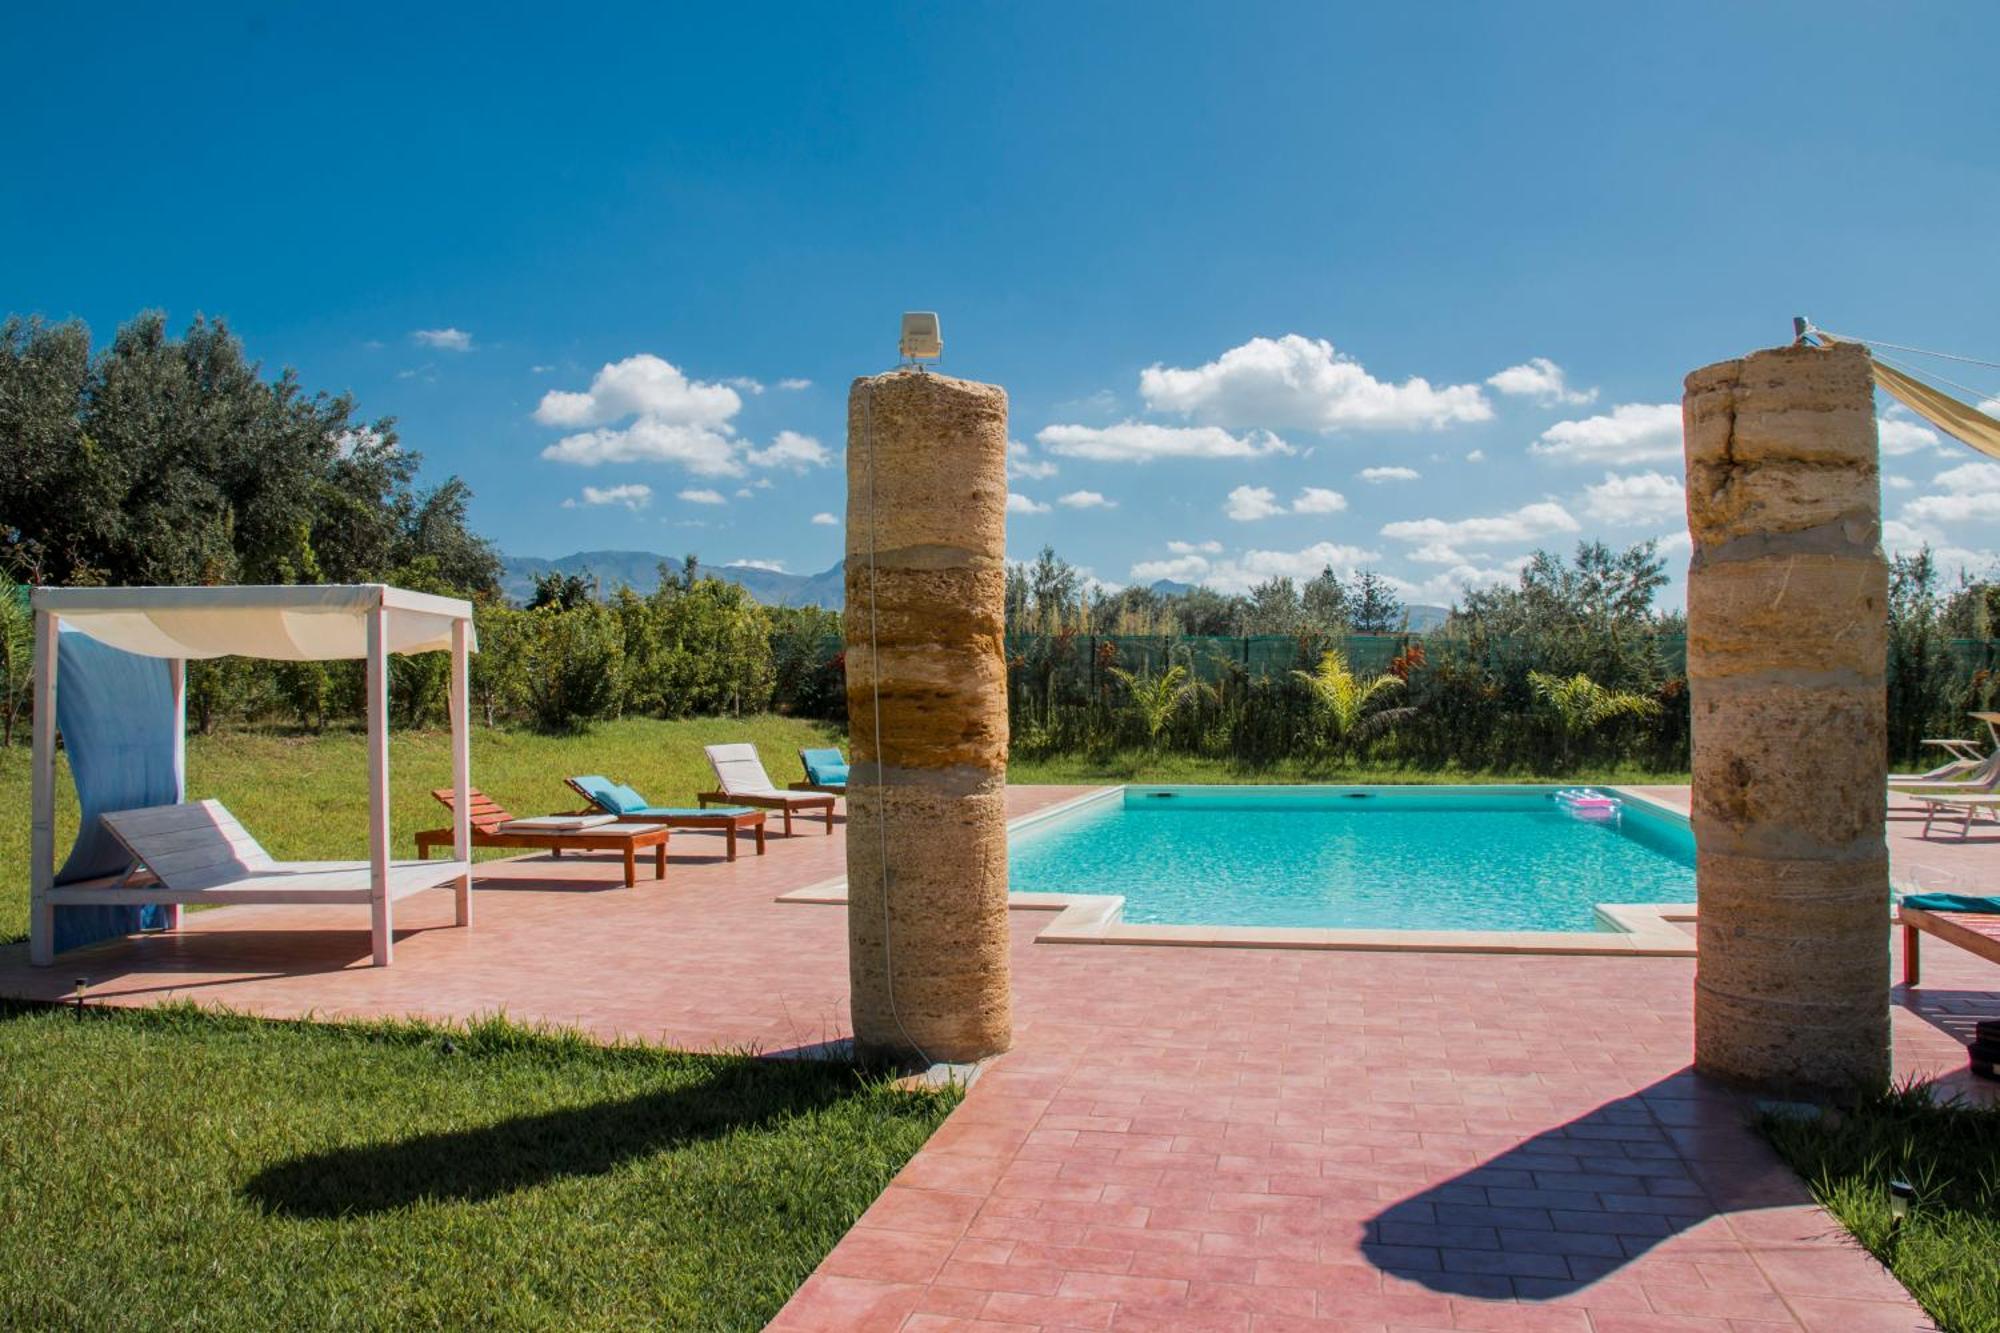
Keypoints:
pixel 82 989
pixel 1901 1194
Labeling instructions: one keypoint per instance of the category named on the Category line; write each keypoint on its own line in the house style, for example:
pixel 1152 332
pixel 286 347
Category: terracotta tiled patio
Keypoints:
pixel 1185 1138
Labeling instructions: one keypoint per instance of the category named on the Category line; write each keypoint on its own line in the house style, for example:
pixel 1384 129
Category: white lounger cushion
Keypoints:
pixel 740 772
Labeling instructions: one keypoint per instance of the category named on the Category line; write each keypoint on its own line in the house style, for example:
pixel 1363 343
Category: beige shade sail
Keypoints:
pixel 281 623
pixel 1959 420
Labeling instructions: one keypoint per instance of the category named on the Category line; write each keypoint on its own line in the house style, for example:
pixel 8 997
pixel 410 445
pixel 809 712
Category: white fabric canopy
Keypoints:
pixel 283 623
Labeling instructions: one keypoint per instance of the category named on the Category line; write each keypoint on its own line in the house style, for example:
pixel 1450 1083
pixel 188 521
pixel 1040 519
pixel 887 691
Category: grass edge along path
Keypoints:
pixel 1947 1252
pixel 180 1167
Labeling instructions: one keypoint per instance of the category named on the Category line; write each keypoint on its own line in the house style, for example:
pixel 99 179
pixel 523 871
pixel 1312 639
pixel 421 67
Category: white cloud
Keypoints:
pixel 826 520
pixel 793 384
pixel 773 566
pixel 642 386
pixel 1541 379
pixel 1541 519
pixel 706 450
pixel 1375 476
pixel 745 493
pixel 1244 571
pixel 1302 383
pixel 1897 483
pixel 1636 497
pixel 1018 503
pixel 703 497
pixel 1022 465
pixel 1195 548
pixel 749 384
pixel 1142 442
pixel 1991 407
pixel 445 340
pixel 540 370
pixel 1898 436
pixel 1247 504
pixel 1629 433
pixel 790 449
pixel 633 495
pixel 1475 456
pixel 1447 586
pixel 1318 500
pixel 1969 492
pixel 1086 500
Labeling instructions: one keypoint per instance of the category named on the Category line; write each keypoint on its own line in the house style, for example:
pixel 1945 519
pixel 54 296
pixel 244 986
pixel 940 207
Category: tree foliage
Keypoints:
pixel 158 460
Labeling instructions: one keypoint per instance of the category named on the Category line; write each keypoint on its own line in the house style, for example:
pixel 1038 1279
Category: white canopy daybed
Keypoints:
pixel 124 725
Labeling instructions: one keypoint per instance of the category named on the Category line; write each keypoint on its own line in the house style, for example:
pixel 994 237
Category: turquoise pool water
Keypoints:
pixel 1400 858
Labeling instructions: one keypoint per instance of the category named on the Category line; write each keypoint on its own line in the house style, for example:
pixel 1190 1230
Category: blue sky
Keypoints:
pixel 1225 259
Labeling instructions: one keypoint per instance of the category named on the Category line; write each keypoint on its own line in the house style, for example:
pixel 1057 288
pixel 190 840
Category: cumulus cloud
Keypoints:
pixel 643 386
pixel 1245 570
pixel 1195 548
pixel 705 450
pixel 1529 522
pixel 1542 380
pixel 826 520
pixel 1475 456
pixel 1023 465
pixel 1898 483
pixel 747 383
pixel 790 449
pixel 793 384
pixel 1018 503
pixel 1629 433
pixel 633 495
pixel 1375 476
pixel 1246 504
pixel 1965 494
pixel 1901 436
pixel 445 340
pixel 1448 585
pixel 1086 500
pixel 703 497
pixel 1249 503
pixel 1142 442
pixel 772 566
pixel 1636 497
pixel 1301 383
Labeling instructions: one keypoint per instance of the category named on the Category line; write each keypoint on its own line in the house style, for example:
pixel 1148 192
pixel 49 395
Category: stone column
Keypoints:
pixel 1787 638
pixel 927 942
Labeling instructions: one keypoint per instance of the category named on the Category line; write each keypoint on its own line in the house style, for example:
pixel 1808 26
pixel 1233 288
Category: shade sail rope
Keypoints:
pixel 1962 421
pixel 1900 347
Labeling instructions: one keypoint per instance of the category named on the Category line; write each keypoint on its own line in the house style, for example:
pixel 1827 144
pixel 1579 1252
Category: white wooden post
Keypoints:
pixel 461 762
pixel 42 818
pixel 382 927
pixel 177 682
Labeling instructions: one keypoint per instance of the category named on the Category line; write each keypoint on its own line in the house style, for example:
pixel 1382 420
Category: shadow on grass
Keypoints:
pixel 471 1165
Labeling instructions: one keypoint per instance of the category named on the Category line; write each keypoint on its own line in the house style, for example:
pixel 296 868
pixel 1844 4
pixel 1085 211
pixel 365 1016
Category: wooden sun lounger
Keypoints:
pixel 731 822
pixel 743 782
pixel 1975 932
pixel 488 816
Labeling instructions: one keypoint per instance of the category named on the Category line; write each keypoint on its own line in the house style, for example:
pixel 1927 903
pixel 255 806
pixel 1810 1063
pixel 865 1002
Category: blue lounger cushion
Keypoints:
pixel 619 799
pixel 828 768
pixel 1952 902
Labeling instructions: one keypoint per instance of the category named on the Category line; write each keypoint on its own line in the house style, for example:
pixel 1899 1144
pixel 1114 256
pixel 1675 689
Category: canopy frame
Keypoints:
pixel 340 621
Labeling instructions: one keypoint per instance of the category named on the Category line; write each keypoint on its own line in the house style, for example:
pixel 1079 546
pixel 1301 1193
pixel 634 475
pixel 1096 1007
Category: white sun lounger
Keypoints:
pixel 197 853
pixel 1969 806
pixel 741 780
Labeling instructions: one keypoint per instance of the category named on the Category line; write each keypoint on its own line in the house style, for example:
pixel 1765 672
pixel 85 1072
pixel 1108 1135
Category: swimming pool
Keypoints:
pixel 1397 858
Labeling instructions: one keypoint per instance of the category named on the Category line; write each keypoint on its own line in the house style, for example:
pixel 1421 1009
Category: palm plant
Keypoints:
pixel 1346 703
pixel 1154 699
pixel 1580 705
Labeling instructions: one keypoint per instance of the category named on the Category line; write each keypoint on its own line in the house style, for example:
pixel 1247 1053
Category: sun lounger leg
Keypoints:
pixel 1911 968
pixel 631 868
pixel 729 839
pixel 1930 813
pixel 788 820
pixel 760 839
pixel 660 861
pixel 829 819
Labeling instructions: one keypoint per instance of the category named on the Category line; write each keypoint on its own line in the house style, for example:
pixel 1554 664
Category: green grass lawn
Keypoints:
pixel 1138 766
pixel 306 797
pixel 1948 1251
pixel 175 1169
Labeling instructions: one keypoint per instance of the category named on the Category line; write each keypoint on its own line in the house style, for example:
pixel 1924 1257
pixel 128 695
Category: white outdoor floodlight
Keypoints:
pixel 922 339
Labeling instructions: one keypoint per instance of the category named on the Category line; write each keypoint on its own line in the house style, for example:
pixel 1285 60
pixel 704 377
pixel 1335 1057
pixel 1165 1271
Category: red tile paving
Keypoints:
pixel 1183 1138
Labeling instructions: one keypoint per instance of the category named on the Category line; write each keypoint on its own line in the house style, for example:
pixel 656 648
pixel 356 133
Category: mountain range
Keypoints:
pixel 640 571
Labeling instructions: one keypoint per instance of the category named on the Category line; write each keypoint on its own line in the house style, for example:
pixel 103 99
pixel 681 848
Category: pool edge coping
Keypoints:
pixel 1643 930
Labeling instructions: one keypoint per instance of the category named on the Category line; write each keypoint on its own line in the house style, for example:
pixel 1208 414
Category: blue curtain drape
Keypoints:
pixel 116 713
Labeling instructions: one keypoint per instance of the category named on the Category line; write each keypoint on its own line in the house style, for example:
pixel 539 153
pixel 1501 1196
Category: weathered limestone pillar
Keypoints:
pixel 1787 607
pixel 926 799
